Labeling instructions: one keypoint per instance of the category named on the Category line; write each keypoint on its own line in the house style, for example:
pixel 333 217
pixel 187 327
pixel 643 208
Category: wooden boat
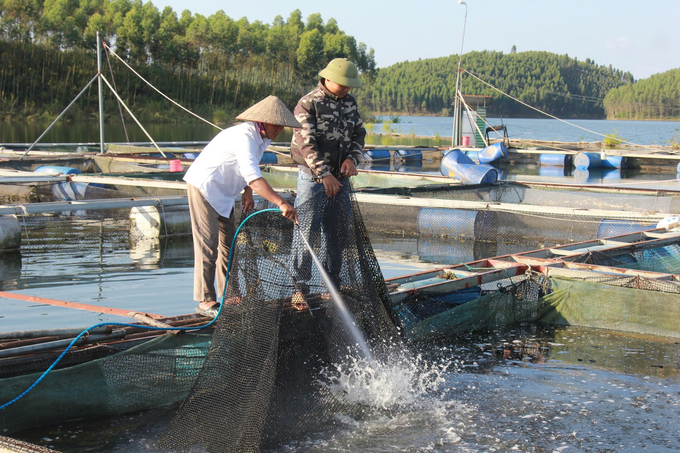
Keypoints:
pixel 628 282
pixel 25 357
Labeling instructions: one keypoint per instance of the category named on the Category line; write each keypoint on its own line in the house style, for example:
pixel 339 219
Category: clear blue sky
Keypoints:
pixel 642 36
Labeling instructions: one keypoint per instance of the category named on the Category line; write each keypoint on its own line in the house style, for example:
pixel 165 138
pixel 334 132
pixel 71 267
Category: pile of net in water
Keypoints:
pixel 260 384
pixel 640 302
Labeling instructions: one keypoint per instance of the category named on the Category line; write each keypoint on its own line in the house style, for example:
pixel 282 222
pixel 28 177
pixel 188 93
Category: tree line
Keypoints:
pixel 217 66
pixel 556 84
pixel 655 98
pixel 207 64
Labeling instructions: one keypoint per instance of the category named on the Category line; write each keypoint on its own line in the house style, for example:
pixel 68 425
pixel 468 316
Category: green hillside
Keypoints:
pixel 212 65
pixel 557 84
pixel 216 66
pixel 655 98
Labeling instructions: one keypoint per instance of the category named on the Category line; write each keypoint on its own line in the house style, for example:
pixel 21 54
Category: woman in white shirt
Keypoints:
pixel 228 165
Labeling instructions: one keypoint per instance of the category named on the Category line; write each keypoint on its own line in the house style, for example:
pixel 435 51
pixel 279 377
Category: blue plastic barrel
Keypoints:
pixel 493 152
pixel 56 170
pixel 556 160
pixel 584 161
pixel 378 154
pixel 457 165
pixel 474 155
pixel 268 158
pixel 409 154
pixel 615 162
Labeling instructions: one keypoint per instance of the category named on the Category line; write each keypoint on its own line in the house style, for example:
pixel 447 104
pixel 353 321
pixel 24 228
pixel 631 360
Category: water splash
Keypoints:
pixel 399 381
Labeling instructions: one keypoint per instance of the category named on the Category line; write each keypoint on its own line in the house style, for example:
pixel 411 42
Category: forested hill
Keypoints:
pixel 556 84
pixel 212 65
pixel 655 98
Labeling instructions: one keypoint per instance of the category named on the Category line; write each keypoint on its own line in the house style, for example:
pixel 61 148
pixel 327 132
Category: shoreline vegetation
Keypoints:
pixel 216 66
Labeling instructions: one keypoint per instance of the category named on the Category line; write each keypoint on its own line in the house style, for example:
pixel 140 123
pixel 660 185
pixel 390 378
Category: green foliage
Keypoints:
pixel 657 97
pixel 674 141
pixel 557 84
pixel 367 116
pixel 221 116
pixel 389 129
pixel 395 119
pixel 613 139
pixel 47 55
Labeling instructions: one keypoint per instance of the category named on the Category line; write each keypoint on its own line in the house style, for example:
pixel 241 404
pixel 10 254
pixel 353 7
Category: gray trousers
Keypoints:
pixel 213 235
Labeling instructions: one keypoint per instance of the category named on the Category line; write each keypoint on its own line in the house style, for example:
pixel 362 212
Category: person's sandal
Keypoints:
pixel 208 312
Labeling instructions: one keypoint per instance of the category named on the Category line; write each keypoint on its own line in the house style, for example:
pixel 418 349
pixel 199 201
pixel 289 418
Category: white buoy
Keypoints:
pixel 10 233
pixel 154 222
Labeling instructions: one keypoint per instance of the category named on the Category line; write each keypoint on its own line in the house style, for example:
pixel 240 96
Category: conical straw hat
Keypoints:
pixel 270 110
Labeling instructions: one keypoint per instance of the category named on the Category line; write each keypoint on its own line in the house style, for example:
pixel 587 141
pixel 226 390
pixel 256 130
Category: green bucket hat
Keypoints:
pixel 343 72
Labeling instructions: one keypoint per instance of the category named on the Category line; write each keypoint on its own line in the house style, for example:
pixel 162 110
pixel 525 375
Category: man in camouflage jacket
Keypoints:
pixel 327 148
pixel 332 131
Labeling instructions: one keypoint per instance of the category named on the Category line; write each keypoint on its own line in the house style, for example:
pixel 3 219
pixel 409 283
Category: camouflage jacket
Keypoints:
pixel 332 131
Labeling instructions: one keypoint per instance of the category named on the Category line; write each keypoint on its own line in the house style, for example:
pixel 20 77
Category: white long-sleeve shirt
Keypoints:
pixel 227 164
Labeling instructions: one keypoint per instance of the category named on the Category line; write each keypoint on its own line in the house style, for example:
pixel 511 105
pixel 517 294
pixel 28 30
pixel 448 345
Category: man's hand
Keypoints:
pixel 332 185
pixel 247 200
pixel 289 212
pixel 348 168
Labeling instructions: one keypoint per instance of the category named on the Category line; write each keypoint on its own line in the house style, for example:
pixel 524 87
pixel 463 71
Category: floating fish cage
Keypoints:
pixel 632 288
pixel 515 213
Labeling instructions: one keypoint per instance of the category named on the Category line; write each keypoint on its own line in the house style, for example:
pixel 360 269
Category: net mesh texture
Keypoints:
pixel 260 382
pixel 630 303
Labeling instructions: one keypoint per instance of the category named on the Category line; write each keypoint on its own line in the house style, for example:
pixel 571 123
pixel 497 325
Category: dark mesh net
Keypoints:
pixel 260 383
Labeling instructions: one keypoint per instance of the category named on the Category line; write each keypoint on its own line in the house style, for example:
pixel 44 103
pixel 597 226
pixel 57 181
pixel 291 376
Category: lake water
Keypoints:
pixel 525 388
pixel 637 132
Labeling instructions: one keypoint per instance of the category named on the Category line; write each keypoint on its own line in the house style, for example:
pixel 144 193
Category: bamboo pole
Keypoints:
pixel 100 89
pixel 115 203
pixel 78 306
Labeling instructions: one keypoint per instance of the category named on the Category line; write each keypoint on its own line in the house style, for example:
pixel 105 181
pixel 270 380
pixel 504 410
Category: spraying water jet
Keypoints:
pixel 346 315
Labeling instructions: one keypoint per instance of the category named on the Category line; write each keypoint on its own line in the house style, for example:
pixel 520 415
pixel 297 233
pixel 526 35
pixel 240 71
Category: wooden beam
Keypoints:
pixel 78 306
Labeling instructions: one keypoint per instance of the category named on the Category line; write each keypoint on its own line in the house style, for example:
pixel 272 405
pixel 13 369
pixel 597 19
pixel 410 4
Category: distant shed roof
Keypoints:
pixel 474 100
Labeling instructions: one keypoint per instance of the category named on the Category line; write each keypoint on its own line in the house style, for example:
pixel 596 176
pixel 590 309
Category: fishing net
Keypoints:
pixel 257 379
pixel 261 383
pixel 150 372
pixel 637 302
